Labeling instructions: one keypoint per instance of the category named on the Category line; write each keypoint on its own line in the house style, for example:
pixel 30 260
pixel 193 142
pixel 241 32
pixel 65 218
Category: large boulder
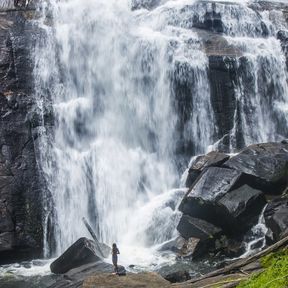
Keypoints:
pixel 82 252
pixel 240 208
pixel 276 220
pixel 267 163
pixel 201 162
pixel 221 197
pixel 213 184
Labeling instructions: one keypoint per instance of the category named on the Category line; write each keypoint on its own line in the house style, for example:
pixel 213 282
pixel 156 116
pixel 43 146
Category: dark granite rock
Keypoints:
pixel 197 228
pixel 199 237
pixel 220 198
pixel 240 208
pixel 213 158
pixel 178 276
pixel 267 162
pixel 223 78
pixel 21 183
pixel 276 219
pixel 212 185
pixel 82 252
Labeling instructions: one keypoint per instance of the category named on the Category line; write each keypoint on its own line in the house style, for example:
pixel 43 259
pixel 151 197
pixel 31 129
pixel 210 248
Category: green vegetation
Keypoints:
pixel 275 274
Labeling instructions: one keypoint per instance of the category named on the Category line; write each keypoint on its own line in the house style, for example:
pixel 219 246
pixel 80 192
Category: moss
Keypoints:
pixel 275 274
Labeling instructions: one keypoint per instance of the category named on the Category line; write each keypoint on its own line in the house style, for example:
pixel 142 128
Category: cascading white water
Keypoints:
pixel 114 144
pixel 119 81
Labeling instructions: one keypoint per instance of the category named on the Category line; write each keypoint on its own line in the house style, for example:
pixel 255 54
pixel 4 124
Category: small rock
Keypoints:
pixel 178 277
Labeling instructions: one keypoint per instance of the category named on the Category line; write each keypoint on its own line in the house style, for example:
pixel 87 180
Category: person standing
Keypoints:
pixel 115 252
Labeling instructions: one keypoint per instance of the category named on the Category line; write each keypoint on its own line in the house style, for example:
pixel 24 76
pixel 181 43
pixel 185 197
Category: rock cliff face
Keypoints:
pixel 21 183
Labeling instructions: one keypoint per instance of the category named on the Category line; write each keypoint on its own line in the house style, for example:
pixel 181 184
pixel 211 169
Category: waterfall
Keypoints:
pixel 112 77
pixel 131 95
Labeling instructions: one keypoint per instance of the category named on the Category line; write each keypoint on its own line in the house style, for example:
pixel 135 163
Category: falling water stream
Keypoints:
pixel 114 145
pixel 112 75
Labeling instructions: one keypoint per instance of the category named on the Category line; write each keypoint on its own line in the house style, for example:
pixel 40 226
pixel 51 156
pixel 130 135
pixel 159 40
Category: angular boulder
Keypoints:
pixel 267 163
pixel 201 162
pixel 214 183
pixel 220 198
pixel 241 208
pixel 276 220
pixel 197 228
pixel 82 252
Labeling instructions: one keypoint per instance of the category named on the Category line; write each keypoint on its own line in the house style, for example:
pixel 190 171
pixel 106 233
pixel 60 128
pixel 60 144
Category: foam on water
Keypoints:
pixel 28 269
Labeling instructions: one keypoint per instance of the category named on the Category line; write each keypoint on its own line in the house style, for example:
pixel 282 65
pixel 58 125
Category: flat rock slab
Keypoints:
pixel 149 280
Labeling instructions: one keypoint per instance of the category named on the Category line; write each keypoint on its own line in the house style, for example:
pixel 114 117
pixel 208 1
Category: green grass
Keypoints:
pixel 275 274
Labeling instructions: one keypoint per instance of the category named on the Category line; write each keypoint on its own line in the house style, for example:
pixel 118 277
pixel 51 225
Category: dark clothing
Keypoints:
pixel 114 259
pixel 115 251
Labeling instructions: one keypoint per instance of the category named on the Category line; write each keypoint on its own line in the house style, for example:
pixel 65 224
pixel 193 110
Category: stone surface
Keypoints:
pixel 82 252
pixel 220 198
pixel 178 276
pixel 240 208
pixel 197 228
pixel 149 280
pixel 21 184
pixel 212 185
pixel 267 162
pixel 276 219
pixel 223 78
pixel 201 162
pixel 76 277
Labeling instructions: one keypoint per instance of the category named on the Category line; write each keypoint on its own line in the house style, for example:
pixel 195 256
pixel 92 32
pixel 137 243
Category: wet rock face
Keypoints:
pixel 283 37
pixel 202 162
pixel 232 197
pixel 20 181
pixel 267 162
pixel 276 220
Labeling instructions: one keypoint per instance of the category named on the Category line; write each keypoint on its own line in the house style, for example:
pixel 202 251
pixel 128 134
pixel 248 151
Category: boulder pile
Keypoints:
pixel 227 195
